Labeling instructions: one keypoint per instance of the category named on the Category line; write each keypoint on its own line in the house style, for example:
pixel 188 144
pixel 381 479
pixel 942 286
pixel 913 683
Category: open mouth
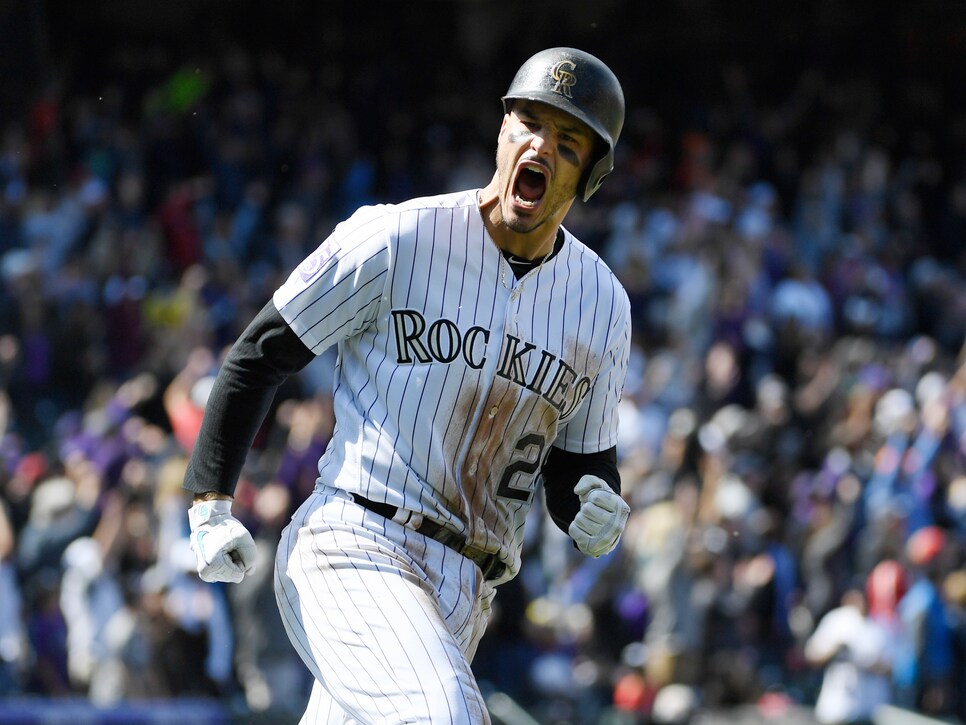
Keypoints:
pixel 530 185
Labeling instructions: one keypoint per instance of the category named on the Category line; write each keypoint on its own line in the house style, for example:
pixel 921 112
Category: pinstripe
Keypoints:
pixel 365 562
pixel 294 622
pixel 320 295
pixel 593 318
pixel 408 471
pixel 346 600
pixel 376 399
pixel 338 331
pixel 439 399
pixel 450 481
pixel 610 347
pixel 409 373
pixel 406 608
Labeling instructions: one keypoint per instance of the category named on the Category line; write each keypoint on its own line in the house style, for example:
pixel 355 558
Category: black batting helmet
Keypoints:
pixel 581 85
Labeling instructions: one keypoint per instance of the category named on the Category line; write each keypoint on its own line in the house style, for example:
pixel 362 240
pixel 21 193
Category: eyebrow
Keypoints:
pixel 561 123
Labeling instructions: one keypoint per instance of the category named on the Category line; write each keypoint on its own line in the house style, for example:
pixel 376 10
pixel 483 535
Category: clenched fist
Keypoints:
pixel 598 525
pixel 224 548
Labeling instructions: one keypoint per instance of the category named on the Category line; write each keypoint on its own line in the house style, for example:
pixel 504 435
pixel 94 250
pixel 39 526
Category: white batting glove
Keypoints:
pixel 598 525
pixel 224 548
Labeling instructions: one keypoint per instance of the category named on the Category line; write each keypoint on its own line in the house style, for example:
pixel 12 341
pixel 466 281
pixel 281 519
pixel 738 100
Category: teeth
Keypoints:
pixel 537 168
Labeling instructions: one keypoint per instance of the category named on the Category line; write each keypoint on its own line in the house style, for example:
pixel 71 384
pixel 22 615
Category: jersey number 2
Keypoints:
pixel 528 454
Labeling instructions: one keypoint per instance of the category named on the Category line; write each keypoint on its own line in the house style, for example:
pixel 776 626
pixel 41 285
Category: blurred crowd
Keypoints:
pixel 793 433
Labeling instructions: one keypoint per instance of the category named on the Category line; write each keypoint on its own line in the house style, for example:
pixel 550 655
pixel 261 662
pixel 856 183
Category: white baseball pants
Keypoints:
pixel 386 619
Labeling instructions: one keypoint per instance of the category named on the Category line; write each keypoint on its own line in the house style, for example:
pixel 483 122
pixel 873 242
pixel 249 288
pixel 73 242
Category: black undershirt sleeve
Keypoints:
pixel 561 472
pixel 265 354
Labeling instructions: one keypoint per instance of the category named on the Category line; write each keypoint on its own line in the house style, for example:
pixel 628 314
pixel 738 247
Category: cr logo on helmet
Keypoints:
pixel 562 72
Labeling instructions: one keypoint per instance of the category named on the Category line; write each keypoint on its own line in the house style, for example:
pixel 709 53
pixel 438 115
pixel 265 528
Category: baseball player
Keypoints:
pixel 481 349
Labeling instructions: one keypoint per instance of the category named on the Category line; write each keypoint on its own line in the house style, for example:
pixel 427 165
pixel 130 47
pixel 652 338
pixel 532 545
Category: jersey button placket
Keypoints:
pixel 515 308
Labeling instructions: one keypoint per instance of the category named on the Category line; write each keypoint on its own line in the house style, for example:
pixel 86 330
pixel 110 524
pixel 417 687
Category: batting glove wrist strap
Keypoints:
pixel 208 512
pixel 223 547
pixel 600 521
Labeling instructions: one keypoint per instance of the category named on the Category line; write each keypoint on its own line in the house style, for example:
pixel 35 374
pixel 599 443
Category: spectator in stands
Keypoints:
pixel 13 640
pixel 799 305
pixel 924 665
pixel 856 653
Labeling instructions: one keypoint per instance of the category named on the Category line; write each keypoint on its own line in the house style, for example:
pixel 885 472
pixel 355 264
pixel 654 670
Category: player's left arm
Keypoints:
pixel 584 499
pixel 562 472
pixel 580 474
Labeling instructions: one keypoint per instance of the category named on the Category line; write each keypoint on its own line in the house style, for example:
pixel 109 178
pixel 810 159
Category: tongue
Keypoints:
pixel 530 185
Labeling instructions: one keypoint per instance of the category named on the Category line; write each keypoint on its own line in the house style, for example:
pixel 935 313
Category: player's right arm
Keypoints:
pixel 260 360
pixel 332 294
pixel 266 353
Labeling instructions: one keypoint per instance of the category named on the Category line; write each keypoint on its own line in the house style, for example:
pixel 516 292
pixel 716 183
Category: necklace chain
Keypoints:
pixel 505 262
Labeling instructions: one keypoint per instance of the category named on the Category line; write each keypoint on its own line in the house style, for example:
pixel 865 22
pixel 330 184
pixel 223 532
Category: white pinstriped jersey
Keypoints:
pixel 454 377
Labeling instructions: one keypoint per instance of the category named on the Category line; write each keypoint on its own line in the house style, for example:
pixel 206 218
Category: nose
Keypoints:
pixel 540 142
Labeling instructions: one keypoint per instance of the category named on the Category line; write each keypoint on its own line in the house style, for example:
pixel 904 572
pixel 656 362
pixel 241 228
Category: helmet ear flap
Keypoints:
pixel 601 164
pixel 584 87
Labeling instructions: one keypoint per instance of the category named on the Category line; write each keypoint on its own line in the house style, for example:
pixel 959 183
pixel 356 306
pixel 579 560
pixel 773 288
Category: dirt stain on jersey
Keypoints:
pixel 511 427
pixel 583 357
pixel 509 414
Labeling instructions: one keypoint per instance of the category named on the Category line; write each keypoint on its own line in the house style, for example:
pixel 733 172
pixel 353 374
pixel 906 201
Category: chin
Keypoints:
pixel 522 220
pixel 523 224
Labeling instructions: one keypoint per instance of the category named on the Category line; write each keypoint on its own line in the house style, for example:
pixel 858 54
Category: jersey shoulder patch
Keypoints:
pixel 312 264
